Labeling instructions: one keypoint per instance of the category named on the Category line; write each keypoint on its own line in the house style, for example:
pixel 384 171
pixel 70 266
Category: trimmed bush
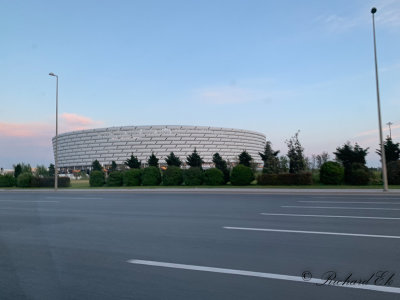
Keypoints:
pixel 7 180
pixel 331 173
pixel 49 181
pixel 132 177
pixel 173 175
pixel 151 176
pixel 393 171
pixel 213 176
pixel 96 178
pixel 114 179
pixel 24 180
pixel 285 179
pixel 193 176
pixel 241 175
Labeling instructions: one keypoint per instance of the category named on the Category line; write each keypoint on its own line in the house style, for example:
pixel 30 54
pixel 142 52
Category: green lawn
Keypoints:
pixel 84 184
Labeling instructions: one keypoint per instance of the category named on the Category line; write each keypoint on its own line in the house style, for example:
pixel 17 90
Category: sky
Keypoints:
pixel 275 67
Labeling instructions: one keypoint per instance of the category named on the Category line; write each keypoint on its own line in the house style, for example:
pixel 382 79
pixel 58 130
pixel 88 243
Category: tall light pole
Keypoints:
pixel 56 151
pixel 383 156
pixel 390 128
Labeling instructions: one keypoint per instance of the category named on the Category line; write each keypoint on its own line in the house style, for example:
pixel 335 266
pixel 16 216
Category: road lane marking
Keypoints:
pixel 394 197
pixel 351 202
pixel 330 216
pixel 75 198
pixel 16 201
pixel 377 288
pixel 314 232
pixel 338 207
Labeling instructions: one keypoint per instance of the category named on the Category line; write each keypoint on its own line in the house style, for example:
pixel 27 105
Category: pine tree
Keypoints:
pixel 349 155
pixel 221 165
pixel 245 159
pixel 96 166
pixel 113 166
pixel 17 170
pixel 51 170
pixel 153 161
pixel 133 162
pixel 392 150
pixel 270 159
pixel 173 160
pixel 194 159
pixel 297 162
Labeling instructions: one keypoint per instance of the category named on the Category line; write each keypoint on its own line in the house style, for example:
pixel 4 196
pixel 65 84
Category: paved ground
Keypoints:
pixel 198 245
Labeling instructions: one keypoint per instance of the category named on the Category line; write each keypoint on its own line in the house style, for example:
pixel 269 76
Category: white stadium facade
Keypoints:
pixel 78 149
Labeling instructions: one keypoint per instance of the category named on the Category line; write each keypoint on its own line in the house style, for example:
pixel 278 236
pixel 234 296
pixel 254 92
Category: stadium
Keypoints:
pixel 78 149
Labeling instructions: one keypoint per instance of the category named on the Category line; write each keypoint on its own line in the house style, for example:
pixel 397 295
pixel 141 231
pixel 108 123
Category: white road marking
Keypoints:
pixel 353 197
pixel 16 201
pixel 319 281
pixel 75 198
pixel 339 207
pixel 329 216
pixel 315 232
pixel 351 202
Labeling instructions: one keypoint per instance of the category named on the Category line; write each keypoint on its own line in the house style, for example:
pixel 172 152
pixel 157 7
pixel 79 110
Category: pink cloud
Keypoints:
pixel 72 122
pixel 24 129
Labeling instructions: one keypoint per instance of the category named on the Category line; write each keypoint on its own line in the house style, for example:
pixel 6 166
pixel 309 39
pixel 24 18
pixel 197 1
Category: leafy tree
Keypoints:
pixel 51 170
pixel 173 160
pixel 113 166
pixel 245 159
pixel 221 165
pixel 96 166
pixel 283 164
pixel 194 159
pixel 270 159
pixel 133 162
pixel 41 170
pixel 295 154
pixel 348 155
pixel 321 159
pixel 153 161
pixel 392 150
pixel 22 168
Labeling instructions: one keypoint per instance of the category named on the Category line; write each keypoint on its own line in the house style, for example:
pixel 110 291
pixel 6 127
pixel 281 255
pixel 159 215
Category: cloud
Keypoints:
pixel 376 131
pixel 73 122
pixel 22 130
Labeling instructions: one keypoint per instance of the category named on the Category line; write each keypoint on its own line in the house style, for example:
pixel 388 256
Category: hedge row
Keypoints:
pixel 285 179
pixel 29 180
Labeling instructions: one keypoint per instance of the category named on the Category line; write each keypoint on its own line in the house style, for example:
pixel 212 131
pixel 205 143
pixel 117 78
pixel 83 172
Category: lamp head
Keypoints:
pixel 52 74
pixel 373 10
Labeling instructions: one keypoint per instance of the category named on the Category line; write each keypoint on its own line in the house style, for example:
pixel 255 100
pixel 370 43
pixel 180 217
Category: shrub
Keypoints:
pixel 241 175
pixel 49 181
pixel 132 177
pixel 114 179
pixel 213 176
pixel 359 174
pixel 393 171
pixel 96 178
pixel 173 175
pixel 193 176
pixel 24 180
pixel 331 173
pixel 285 179
pixel 151 176
pixel 7 180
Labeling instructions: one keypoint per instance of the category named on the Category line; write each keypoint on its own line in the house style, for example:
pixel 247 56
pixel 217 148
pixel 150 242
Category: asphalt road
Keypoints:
pixel 198 245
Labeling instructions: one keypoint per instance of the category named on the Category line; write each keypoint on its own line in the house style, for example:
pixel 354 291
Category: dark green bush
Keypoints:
pixel 241 175
pixel 213 176
pixel 7 180
pixel 359 174
pixel 331 173
pixel 49 181
pixel 285 179
pixel 132 177
pixel 151 176
pixel 96 178
pixel 173 175
pixel 114 179
pixel 393 171
pixel 24 180
pixel 193 176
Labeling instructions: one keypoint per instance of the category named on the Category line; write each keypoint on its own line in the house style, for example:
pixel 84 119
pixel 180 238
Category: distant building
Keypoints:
pixel 78 149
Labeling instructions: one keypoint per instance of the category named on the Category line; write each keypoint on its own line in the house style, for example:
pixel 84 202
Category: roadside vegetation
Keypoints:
pixel 347 170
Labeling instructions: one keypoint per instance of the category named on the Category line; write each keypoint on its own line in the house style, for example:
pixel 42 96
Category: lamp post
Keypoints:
pixel 56 151
pixel 383 156
pixel 390 128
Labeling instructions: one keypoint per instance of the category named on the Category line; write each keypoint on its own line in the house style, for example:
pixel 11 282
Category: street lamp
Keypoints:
pixel 390 128
pixel 383 156
pixel 56 151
